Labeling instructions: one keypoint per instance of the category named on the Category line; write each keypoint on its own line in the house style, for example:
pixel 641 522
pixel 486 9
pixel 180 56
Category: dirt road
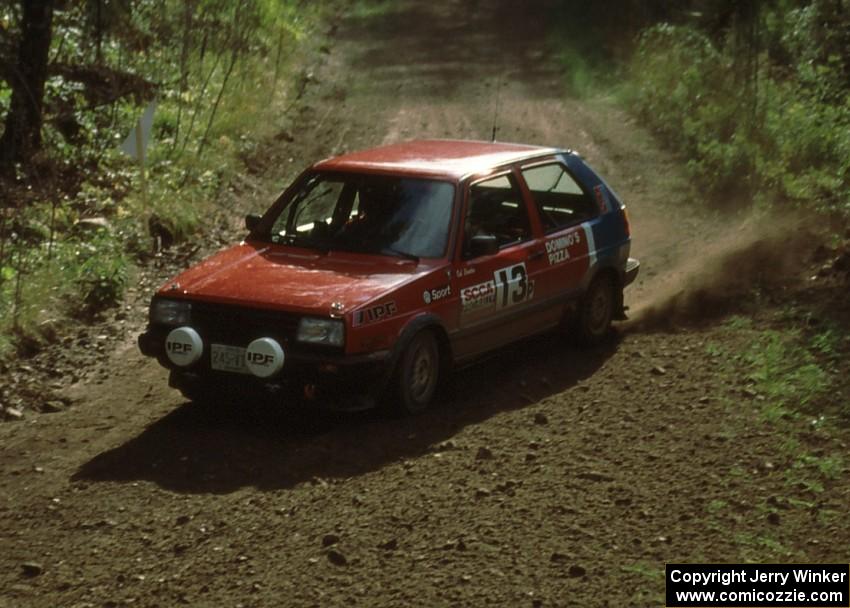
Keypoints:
pixel 551 476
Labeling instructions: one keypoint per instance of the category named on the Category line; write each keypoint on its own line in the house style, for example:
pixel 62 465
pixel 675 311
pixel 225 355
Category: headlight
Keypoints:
pixel 321 331
pixel 170 312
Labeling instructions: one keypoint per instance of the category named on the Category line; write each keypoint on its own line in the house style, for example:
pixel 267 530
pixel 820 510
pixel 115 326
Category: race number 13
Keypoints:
pixel 511 285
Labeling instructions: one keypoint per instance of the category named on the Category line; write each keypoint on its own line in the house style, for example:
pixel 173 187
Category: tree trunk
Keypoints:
pixel 22 133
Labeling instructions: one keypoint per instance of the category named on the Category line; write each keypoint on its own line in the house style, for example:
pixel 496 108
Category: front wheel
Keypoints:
pixel 418 374
pixel 596 311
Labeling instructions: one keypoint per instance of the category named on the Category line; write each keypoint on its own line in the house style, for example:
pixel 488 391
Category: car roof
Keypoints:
pixel 441 158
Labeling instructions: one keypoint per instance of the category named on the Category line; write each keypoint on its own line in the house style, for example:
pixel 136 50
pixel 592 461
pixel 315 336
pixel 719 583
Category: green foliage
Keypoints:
pixel 716 505
pixel 100 272
pixel 587 40
pixel 810 472
pixel 785 373
pixel 769 119
pixel 760 547
pixel 40 281
pixel 827 341
pixel 221 73
pixel 364 9
pixel 580 72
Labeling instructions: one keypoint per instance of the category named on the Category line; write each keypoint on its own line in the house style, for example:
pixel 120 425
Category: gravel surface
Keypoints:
pixel 548 476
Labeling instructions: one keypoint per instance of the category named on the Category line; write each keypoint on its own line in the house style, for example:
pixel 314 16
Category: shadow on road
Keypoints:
pixel 196 449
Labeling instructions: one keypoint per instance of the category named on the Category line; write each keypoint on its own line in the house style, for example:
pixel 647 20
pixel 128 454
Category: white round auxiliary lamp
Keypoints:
pixel 183 346
pixel 264 357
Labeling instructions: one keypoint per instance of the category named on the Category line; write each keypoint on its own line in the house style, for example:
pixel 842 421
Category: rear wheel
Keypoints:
pixel 418 374
pixel 593 320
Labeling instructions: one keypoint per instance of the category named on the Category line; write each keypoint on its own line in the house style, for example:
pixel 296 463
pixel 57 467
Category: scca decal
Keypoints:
pixel 510 286
pixel 478 296
pixel 375 313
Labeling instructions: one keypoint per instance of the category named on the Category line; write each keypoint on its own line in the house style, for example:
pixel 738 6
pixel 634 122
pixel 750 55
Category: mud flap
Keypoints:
pixel 630 274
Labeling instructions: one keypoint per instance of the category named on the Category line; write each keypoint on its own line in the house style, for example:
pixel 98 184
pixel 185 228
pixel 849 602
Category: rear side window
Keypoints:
pixel 560 200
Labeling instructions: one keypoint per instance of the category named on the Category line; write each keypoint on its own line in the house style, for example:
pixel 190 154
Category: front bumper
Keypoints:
pixel 321 376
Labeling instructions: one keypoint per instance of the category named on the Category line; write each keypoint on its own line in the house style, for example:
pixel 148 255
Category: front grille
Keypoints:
pixel 236 326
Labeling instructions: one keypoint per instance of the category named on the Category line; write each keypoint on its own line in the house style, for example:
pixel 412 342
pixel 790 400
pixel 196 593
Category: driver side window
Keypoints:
pixel 312 213
pixel 496 208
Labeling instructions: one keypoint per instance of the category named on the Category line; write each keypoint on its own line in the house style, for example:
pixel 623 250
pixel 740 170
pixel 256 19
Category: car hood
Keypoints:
pixel 271 276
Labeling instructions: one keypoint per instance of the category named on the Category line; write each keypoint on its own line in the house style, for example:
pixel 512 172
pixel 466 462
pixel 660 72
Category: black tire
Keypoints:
pixel 596 311
pixel 418 374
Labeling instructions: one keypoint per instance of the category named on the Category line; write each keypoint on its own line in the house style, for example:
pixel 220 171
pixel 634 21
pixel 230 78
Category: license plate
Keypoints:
pixel 228 359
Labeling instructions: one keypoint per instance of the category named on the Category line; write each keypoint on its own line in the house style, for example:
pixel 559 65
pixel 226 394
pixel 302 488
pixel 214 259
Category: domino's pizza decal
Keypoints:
pixel 558 248
pixel 574 245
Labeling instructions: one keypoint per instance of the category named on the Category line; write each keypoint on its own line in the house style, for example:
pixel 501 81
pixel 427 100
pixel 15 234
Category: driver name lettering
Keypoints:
pixel 373 314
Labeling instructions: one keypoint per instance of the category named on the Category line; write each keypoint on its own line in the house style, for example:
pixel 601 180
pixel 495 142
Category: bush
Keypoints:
pixel 100 272
pixel 778 136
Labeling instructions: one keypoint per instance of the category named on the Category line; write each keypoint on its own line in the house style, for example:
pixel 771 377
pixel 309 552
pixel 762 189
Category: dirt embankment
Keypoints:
pixel 550 476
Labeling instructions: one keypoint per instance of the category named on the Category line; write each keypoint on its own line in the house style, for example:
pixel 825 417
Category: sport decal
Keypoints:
pixel 375 313
pixel 436 294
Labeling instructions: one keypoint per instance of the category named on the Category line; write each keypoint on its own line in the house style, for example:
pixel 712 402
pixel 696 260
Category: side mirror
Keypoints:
pixel 251 221
pixel 483 244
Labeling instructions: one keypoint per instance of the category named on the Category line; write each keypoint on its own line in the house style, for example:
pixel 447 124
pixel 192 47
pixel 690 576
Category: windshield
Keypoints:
pixel 378 214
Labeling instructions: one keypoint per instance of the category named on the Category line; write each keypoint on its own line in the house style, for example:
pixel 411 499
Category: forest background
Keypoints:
pixel 753 95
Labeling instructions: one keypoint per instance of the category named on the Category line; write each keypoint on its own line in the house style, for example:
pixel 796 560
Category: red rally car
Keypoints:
pixel 378 271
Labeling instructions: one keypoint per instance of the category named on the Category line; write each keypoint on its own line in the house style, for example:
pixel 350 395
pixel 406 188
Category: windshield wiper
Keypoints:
pixel 401 254
pixel 300 240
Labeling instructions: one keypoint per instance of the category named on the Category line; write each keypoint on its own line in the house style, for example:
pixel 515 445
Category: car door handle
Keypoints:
pixel 535 255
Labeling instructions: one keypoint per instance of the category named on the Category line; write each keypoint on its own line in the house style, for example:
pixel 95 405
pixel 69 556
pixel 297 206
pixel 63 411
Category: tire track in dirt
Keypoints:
pixel 549 476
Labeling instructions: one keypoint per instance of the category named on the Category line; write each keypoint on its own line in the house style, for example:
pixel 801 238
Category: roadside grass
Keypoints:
pixel 712 349
pixel 647 570
pixel 650 578
pixel 758 548
pixel 364 9
pixel 785 366
pixel 716 505
pixel 783 370
pixel 786 371
pixel 78 274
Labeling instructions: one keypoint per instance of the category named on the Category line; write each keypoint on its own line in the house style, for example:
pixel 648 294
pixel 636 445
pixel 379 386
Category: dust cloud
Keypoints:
pixel 719 277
